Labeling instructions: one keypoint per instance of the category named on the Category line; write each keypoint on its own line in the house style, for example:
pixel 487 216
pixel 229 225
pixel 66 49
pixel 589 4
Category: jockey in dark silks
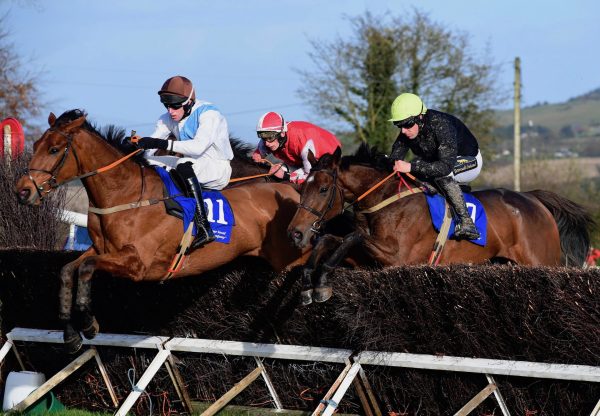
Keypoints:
pixel 446 153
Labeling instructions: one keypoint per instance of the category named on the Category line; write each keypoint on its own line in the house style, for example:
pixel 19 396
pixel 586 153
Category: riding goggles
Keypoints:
pixel 268 136
pixel 406 123
pixel 173 101
pixel 173 106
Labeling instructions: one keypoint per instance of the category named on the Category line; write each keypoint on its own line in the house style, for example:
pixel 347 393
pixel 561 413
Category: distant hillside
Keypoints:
pixel 577 117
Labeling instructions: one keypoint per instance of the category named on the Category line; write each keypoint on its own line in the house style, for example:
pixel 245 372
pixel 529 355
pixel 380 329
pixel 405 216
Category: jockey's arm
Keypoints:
pixel 301 174
pixel 161 131
pixel 446 154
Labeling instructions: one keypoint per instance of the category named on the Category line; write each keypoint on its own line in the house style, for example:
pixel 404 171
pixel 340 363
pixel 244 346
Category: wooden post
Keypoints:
pixel 476 401
pixel 332 390
pixel 179 384
pixel 234 391
pixel 517 126
pixel 37 394
pixel 104 373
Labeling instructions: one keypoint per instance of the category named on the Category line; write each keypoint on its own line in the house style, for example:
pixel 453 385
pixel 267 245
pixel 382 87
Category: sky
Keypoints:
pixel 111 57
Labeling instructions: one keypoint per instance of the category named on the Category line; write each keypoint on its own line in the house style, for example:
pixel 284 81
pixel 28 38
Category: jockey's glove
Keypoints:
pixel 153 143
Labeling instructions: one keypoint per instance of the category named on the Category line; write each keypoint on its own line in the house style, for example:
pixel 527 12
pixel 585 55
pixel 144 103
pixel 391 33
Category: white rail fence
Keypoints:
pixel 353 372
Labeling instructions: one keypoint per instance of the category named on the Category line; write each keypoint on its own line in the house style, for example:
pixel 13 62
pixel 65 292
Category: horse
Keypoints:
pixel 139 244
pixel 527 228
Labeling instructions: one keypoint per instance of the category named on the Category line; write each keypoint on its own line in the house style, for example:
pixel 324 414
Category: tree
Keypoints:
pixel 356 80
pixel 19 95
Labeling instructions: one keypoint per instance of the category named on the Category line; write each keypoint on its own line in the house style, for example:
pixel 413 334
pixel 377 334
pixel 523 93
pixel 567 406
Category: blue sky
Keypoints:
pixel 110 57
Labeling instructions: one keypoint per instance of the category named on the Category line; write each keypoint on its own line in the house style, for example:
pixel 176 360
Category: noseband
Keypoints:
pixel 316 226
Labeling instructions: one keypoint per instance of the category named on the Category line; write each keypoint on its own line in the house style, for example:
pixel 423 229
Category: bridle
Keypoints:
pixel 47 186
pixel 316 226
pixel 42 189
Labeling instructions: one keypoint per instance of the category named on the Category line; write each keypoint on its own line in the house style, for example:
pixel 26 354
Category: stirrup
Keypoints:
pixel 202 238
pixel 466 232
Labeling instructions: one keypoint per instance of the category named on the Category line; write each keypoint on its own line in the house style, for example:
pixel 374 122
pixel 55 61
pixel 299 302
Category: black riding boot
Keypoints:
pixel 204 233
pixel 464 228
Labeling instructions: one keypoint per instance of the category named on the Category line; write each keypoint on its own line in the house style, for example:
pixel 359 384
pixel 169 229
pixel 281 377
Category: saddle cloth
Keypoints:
pixel 437 208
pixel 218 210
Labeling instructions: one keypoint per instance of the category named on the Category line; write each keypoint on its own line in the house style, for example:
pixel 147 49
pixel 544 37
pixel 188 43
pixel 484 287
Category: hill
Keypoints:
pixel 577 117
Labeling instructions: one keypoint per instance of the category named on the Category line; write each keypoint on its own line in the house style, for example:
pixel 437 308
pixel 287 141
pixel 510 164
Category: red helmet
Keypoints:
pixel 271 121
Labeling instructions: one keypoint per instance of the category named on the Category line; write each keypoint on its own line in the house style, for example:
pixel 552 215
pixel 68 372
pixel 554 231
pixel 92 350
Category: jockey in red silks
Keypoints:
pixel 290 142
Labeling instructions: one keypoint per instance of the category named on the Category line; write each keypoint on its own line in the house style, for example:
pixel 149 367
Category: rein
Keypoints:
pixel 316 226
pixel 262 175
pixel 52 183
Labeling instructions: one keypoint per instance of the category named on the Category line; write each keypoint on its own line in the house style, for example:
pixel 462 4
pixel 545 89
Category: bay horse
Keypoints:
pixel 527 228
pixel 140 244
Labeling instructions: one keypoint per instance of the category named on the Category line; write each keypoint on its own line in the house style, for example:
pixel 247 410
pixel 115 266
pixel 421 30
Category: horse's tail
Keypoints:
pixel 574 225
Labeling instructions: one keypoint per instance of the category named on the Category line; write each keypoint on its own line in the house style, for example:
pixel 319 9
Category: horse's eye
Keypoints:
pixel 324 189
pixel 53 150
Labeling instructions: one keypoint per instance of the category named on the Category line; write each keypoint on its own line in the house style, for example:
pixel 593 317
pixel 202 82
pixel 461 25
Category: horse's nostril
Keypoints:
pixel 23 195
pixel 297 235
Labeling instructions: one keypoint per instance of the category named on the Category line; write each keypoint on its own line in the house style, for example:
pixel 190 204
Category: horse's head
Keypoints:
pixel 51 162
pixel 321 199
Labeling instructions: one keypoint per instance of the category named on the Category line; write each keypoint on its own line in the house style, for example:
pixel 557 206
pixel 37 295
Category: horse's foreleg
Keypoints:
pixel 322 290
pixel 324 245
pixel 71 337
pixel 126 263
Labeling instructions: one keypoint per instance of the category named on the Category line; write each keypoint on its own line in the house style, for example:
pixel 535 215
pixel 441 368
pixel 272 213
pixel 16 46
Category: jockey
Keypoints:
pixel 446 152
pixel 201 136
pixel 290 142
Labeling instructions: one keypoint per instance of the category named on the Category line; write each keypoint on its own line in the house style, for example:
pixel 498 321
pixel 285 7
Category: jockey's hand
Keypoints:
pixel 401 166
pixel 256 157
pixel 277 171
pixel 152 143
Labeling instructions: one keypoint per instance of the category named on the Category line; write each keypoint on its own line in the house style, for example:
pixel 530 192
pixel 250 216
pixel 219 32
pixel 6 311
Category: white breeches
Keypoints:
pixel 211 173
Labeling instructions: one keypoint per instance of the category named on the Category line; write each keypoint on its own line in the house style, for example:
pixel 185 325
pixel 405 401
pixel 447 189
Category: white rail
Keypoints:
pixel 165 346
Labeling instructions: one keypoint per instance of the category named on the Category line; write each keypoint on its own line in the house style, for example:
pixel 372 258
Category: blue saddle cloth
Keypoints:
pixel 437 208
pixel 218 210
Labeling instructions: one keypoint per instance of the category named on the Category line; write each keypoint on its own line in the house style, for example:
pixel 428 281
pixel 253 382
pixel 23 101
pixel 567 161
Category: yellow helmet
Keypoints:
pixel 407 105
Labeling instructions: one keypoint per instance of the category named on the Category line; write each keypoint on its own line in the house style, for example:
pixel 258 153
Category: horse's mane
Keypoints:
pixel 241 149
pixel 365 155
pixel 113 135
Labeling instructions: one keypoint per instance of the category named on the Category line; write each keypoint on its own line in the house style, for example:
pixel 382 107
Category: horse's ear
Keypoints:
pixel 311 158
pixel 51 119
pixel 75 124
pixel 337 155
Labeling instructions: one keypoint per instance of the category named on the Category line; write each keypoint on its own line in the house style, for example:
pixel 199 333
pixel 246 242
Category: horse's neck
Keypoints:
pixel 357 180
pixel 121 183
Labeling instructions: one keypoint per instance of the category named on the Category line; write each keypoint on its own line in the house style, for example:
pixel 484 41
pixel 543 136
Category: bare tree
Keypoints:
pixel 20 94
pixel 356 79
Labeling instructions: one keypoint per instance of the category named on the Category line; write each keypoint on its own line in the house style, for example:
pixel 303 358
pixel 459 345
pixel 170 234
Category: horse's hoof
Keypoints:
pixel 322 294
pixel 306 296
pixel 91 330
pixel 73 343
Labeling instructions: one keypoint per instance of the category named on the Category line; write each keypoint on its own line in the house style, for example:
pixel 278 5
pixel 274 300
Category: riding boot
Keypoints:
pixel 204 233
pixel 464 228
